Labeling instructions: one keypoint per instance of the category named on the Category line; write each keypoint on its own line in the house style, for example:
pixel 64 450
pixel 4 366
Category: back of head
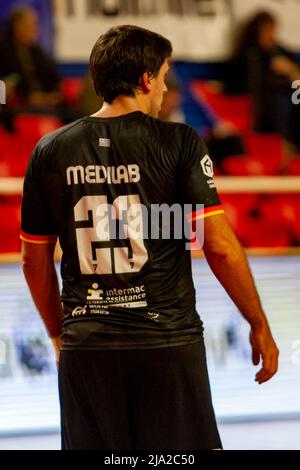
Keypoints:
pixel 121 56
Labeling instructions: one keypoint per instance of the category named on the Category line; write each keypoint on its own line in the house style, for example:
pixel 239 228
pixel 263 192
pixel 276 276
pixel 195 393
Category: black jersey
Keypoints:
pixel 93 184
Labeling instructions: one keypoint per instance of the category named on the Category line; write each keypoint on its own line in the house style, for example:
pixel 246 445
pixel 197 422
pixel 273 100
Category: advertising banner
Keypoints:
pixel 198 29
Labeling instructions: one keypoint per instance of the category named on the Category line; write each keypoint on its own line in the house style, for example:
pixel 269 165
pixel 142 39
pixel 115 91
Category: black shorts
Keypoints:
pixel 151 399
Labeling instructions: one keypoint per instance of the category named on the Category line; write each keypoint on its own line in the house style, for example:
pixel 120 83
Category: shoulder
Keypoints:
pixel 50 147
pixel 172 133
pixel 64 134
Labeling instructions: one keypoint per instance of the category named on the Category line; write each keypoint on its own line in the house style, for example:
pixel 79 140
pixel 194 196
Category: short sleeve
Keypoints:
pixel 37 225
pixel 197 185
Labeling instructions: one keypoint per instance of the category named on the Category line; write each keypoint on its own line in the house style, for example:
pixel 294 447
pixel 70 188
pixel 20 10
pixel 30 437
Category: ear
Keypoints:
pixel 145 82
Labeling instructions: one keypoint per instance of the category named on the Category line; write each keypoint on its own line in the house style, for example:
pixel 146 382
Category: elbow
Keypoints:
pixel 219 253
pixel 217 246
pixel 220 243
pixel 222 250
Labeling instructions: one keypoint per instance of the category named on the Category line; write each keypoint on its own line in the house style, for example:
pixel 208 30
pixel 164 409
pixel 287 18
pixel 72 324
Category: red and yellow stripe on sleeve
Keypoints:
pixel 206 212
pixel 38 239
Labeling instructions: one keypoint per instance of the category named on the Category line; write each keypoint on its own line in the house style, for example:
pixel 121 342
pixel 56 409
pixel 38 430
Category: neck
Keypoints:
pixel 122 105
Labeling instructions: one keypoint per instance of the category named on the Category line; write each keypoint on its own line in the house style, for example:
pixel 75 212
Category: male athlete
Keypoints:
pixel 132 366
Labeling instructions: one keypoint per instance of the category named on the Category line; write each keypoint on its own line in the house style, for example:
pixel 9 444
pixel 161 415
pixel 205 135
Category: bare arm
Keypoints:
pixel 40 274
pixel 229 264
pixel 282 65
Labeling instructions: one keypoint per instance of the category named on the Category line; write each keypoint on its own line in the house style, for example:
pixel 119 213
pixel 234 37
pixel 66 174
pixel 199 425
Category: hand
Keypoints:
pixel 263 345
pixel 284 66
pixel 224 129
pixel 57 345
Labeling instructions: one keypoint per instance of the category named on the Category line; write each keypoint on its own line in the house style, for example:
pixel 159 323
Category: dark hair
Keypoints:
pixel 121 56
pixel 246 37
pixel 249 34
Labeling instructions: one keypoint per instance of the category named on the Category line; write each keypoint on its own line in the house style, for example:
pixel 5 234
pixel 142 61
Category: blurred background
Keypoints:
pixel 235 78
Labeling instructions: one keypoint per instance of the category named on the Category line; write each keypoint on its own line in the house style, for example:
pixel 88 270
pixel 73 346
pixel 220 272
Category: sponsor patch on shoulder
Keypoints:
pixel 207 166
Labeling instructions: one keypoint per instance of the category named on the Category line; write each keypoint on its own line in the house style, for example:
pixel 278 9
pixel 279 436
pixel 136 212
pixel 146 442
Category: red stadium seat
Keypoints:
pixel 16 148
pixel 238 208
pixel 264 156
pixel 282 211
pixel 31 127
pixel 258 233
pixel 264 150
pixel 244 202
pixel 10 224
pixel 267 149
pixel 294 166
pixel 242 166
pixel 267 145
pixel 14 155
pixel 71 88
pixel 236 109
pixel 4 169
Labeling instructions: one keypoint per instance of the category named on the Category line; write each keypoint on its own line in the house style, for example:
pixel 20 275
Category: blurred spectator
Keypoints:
pixel 171 109
pixel 31 77
pixel 30 74
pixel 266 69
pixel 221 136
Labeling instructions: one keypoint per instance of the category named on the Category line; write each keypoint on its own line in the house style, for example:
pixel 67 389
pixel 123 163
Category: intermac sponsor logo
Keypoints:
pixel 2 92
pixel 131 297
